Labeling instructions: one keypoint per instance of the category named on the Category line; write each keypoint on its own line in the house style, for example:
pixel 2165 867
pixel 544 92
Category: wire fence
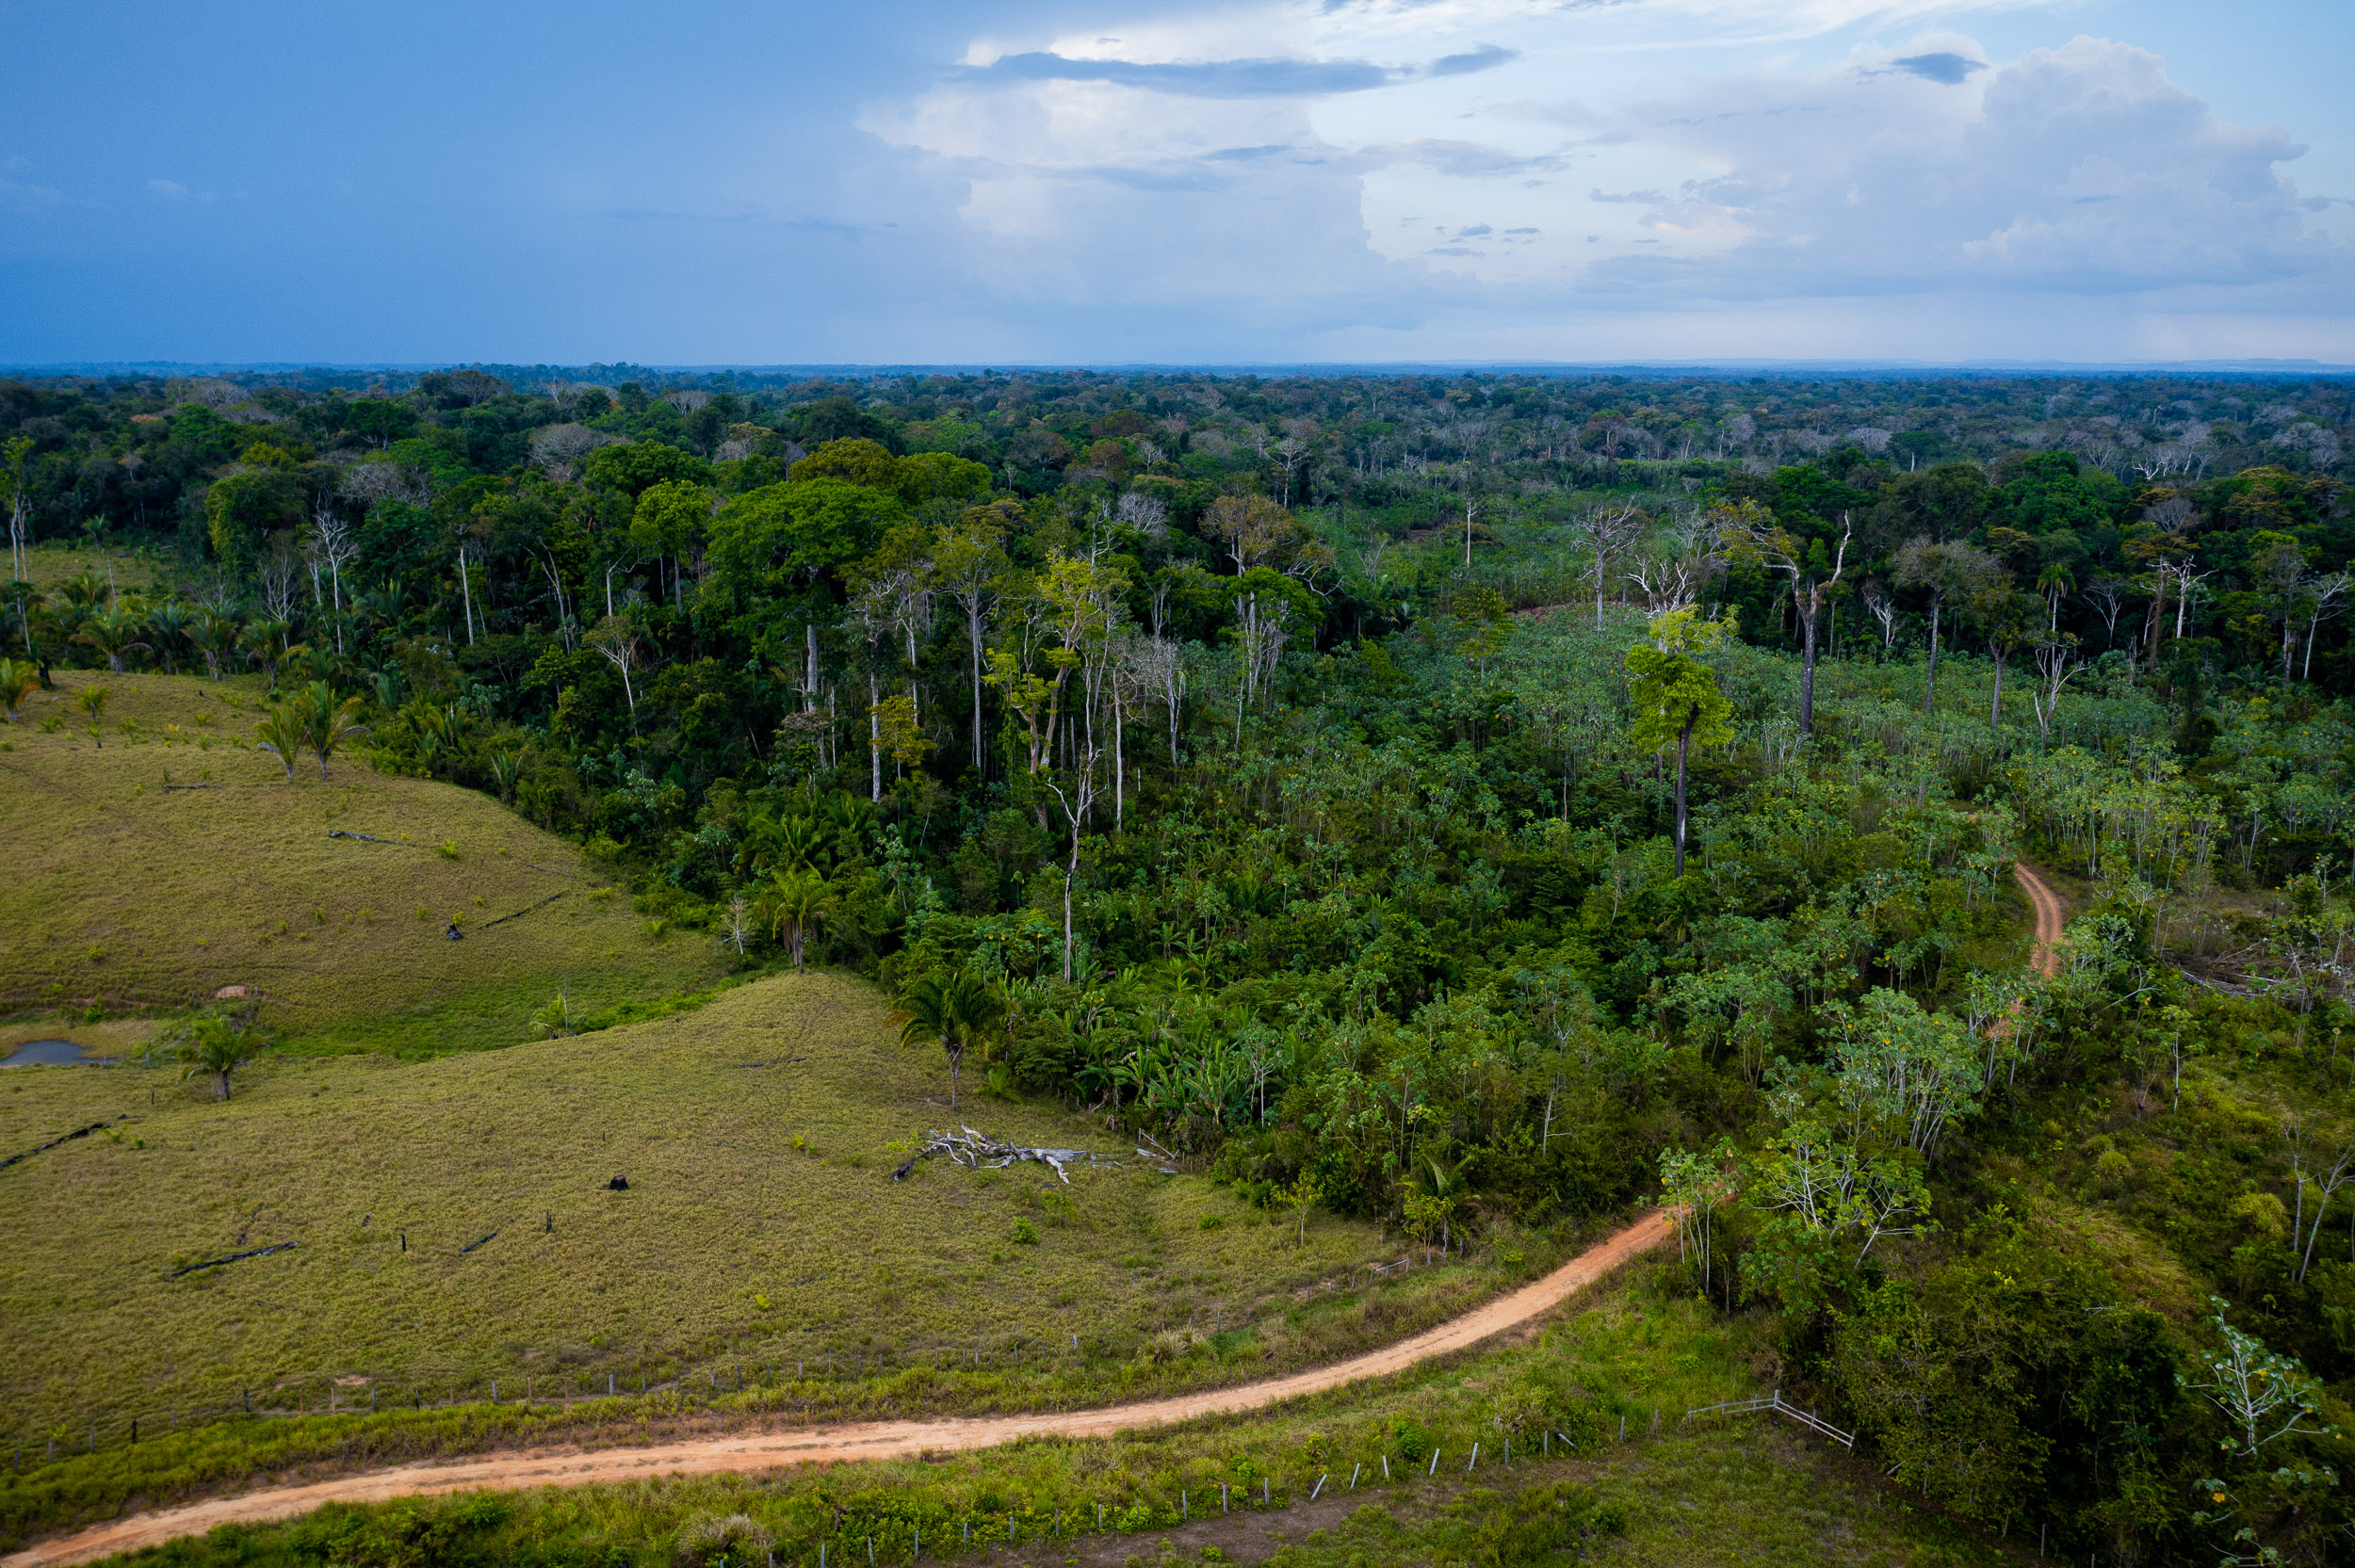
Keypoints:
pixel 1780 1406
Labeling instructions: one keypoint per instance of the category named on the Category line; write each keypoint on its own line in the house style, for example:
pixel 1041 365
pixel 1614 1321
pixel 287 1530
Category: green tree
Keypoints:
pixel 2263 1395
pixel 1302 1196
pixel 18 680
pixel 113 632
pixel 633 467
pixel 1675 695
pixel 285 732
pixel 91 700
pixel 2007 619
pixel 1439 1191
pixel 216 1046
pixel 14 457
pixel 328 724
pixel 1949 573
pixel 668 523
pixel 216 636
pixel 1697 1186
pixel 797 900
pixel 953 1007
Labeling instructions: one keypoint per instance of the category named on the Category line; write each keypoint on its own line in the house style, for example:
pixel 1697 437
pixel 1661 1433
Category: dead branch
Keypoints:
pixel 521 913
pixel 979 1152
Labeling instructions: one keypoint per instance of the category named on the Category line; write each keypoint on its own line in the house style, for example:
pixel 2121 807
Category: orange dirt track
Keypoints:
pixel 855 1440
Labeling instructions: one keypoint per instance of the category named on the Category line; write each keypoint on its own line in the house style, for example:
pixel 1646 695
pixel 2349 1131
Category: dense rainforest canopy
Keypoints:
pixel 1470 801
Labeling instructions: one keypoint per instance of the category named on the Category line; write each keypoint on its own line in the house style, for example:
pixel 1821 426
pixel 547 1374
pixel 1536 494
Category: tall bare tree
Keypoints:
pixel 1610 532
pixel 1951 574
pixel 969 560
pixel 1747 533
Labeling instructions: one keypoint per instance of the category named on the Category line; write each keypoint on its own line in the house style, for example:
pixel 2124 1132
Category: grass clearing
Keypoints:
pixel 761 1226
pixel 131 570
pixel 125 893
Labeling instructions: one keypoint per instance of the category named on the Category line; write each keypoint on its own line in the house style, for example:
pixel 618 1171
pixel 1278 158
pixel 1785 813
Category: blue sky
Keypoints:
pixel 1102 181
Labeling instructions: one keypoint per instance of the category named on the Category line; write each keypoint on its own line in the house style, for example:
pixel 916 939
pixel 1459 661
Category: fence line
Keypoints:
pixel 1782 1406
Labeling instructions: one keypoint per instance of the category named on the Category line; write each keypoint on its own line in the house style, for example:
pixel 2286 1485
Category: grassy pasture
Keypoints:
pixel 123 893
pixel 134 570
pixel 761 1224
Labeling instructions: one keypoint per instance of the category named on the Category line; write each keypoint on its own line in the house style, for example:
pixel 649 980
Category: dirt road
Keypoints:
pixel 2050 913
pixel 853 1441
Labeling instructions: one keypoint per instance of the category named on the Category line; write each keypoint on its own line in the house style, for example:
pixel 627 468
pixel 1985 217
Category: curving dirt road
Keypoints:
pixel 853 1441
pixel 2050 913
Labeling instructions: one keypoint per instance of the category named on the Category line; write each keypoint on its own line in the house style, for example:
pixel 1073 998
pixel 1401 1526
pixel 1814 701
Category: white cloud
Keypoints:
pixel 1378 163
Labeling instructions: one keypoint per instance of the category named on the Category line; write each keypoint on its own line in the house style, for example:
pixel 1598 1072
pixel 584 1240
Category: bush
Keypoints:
pixel 734 1539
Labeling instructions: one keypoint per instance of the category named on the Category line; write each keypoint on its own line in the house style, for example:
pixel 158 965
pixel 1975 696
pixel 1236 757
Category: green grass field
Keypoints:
pixel 761 1224
pixel 132 571
pixel 126 891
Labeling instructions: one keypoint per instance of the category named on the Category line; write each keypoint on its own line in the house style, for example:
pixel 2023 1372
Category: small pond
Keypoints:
pixel 42 1053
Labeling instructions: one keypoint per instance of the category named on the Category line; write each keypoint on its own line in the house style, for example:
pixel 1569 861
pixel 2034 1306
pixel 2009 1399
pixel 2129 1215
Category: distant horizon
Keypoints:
pixel 878 368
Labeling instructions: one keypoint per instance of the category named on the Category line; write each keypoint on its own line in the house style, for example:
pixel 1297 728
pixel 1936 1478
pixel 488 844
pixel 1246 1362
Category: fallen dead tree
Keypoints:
pixel 521 913
pixel 78 1132
pixel 980 1152
pixel 233 1258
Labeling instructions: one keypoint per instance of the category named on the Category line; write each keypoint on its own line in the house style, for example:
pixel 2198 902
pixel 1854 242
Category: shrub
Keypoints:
pixel 734 1539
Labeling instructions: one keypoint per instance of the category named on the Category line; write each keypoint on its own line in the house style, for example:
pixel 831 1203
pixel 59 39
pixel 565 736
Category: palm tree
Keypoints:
pixel 953 1007
pixel 265 644
pixel 798 899
pixel 92 701
pixel 18 681
pixel 114 633
pixel 216 636
pixel 328 722
pixel 171 621
pixel 283 734
pixel 1446 1187
pixel 216 1048
pixel 2055 582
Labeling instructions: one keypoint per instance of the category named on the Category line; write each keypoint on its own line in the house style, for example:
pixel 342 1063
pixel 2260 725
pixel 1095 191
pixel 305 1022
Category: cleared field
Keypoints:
pixel 169 858
pixel 132 571
pixel 761 1226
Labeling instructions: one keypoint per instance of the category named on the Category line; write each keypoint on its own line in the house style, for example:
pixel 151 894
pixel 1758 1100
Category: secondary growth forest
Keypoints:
pixel 1459 801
